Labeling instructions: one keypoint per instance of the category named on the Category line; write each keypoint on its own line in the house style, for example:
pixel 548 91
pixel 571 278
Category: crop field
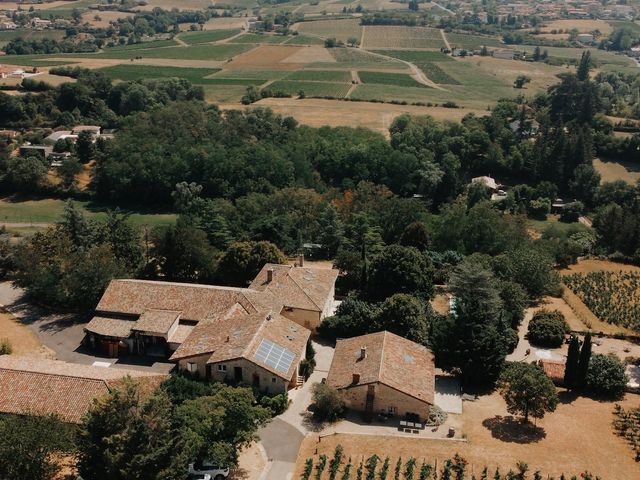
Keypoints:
pixel 402 37
pixel 259 38
pixel 356 58
pixel 311 89
pixel 64 9
pixel 395 79
pixel 207 36
pixel 143 45
pixel 195 52
pixel 135 72
pixel 184 4
pixel 472 42
pixel 339 29
pixel 8 35
pixel 229 94
pixel 304 40
pixel 601 57
pixel 582 25
pixel 340 76
pixel 427 62
pixel 613 297
pixel 33 61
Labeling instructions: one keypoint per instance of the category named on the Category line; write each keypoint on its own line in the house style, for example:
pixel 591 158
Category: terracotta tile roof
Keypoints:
pixel 390 359
pixel 239 335
pixel 156 321
pixel 181 333
pixel 554 369
pixel 196 302
pixel 109 326
pixel 40 386
pixel 299 287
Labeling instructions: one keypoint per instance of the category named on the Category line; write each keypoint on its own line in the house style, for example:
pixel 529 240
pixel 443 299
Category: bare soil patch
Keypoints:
pixel 251 462
pixel 613 171
pixel 310 54
pixel 224 23
pixel 578 436
pixel 583 26
pixel 22 339
pixel 595 265
pixel 440 304
pixel 106 17
pixel 265 57
pixel 334 113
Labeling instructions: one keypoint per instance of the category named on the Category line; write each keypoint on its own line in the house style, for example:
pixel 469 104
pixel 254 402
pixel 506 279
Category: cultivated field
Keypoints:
pixel 207 36
pixel 222 23
pixel 339 29
pixel 495 439
pixel 279 57
pixel 427 62
pixel 612 171
pixel 583 26
pixel 335 113
pixel 311 89
pixel 259 38
pixel 472 42
pixel 385 78
pixel 136 72
pixel 184 4
pixel 402 37
pixel 105 17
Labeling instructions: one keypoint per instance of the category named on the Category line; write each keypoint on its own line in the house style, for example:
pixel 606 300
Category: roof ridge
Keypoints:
pixel 178 284
pixel 384 341
pixel 61 375
pixel 302 289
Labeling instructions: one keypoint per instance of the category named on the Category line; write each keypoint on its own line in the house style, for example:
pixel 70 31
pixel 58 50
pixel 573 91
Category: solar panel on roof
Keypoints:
pixel 274 355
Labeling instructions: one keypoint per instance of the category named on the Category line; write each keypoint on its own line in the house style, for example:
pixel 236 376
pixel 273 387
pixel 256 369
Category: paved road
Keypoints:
pixel 281 442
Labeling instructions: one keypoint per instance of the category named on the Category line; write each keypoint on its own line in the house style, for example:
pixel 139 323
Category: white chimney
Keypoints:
pixel 363 353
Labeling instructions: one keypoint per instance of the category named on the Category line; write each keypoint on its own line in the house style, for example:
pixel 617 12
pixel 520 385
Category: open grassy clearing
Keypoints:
pixel 251 74
pixel 229 94
pixel 304 40
pixel 340 29
pixel 385 78
pixel 392 93
pixel 33 61
pixel 335 113
pixel 600 56
pixel 402 37
pixel 168 42
pixel 66 9
pixel 311 89
pixel 494 438
pixel 542 75
pixel 341 76
pixel 626 24
pixel 220 23
pixel 136 72
pixel 259 38
pixel 321 7
pixel 50 211
pixel 611 171
pixel 106 17
pixel 472 42
pixel 8 35
pixel 582 25
pixel 184 4
pixel 206 36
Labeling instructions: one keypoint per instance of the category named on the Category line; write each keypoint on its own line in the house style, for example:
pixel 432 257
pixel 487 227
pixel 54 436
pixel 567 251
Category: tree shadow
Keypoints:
pixel 310 422
pixel 239 474
pixel 510 429
pixel 567 397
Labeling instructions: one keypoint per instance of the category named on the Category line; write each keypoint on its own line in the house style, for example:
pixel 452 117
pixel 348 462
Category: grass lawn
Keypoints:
pixel 311 89
pixel 341 76
pixel 49 210
pixel 195 52
pixel 207 36
pixel 135 72
pixel 396 79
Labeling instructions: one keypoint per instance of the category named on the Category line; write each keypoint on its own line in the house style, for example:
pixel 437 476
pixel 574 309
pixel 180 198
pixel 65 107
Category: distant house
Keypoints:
pixel 384 373
pixel 39 23
pixel 93 129
pixel 260 349
pixel 8 134
pixel 554 369
pixel 60 135
pixel 34 386
pixel 530 128
pixel 41 150
pixel 488 182
pixel 8 25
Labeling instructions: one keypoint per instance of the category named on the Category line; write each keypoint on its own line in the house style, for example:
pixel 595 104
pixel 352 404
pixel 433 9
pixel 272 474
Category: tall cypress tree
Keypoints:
pixel 571 368
pixel 583 363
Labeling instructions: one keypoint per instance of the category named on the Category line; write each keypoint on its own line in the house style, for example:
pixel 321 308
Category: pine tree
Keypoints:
pixel 584 66
pixel 583 363
pixel 571 368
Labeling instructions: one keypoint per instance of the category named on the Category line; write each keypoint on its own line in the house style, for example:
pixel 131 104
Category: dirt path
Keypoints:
pixel 228 39
pixel 445 39
pixel 180 42
pixel 416 73
pixel 355 81
pixel 362 36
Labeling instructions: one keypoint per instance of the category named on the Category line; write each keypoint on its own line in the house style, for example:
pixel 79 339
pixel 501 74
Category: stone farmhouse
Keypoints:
pixel 384 373
pixel 38 386
pixel 255 335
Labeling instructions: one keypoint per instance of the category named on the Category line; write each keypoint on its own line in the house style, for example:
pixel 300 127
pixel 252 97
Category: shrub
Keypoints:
pixel 277 404
pixel 5 347
pixel 328 402
pixel 547 328
pixel 437 416
pixel 606 376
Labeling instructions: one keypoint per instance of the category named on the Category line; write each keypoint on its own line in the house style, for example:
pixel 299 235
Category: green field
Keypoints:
pixel 472 42
pixel 7 35
pixel 340 76
pixel 427 62
pixel 136 72
pixel 311 89
pixel 402 37
pixel 602 57
pixel 258 38
pixel 195 52
pixel 50 211
pixel 384 78
pixel 34 61
pixel 193 38
pixel 65 10
pixel 304 40
pixel 143 45
pixel 355 57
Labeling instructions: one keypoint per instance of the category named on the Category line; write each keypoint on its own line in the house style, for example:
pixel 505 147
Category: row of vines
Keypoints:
pixel 613 297
pixel 376 468
pixel 627 425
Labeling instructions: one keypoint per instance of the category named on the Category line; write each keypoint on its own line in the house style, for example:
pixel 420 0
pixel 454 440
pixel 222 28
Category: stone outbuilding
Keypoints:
pixel 384 373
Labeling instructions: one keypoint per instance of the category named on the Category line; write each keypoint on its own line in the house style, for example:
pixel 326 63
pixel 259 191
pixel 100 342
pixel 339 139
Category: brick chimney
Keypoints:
pixel 270 275
pixel 356 378
pixel 301 260
pixel 363 353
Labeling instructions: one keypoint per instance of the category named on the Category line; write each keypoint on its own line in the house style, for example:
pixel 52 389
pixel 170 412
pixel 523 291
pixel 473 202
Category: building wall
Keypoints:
pixel 267 380
pixel 386 399
pixel 326 311
pixel 307 318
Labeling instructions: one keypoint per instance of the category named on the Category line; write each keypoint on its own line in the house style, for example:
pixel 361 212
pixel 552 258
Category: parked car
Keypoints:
pixel 214 471
pixel 200 476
